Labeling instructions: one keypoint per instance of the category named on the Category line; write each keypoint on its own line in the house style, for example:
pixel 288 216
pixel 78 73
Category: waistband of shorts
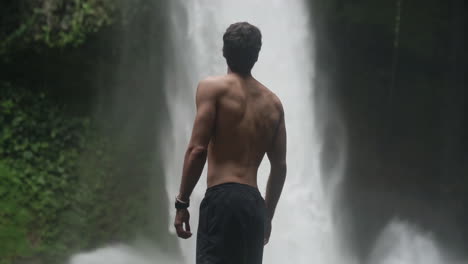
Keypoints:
pixel 232 185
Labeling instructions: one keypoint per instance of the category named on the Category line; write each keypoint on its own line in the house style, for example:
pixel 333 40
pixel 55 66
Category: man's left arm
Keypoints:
pixel 197 150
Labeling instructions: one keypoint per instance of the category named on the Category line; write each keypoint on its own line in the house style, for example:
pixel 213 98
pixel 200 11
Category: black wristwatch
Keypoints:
pixel 179 204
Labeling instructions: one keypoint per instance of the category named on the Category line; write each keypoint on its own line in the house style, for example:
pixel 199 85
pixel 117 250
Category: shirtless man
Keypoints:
pixel 238 120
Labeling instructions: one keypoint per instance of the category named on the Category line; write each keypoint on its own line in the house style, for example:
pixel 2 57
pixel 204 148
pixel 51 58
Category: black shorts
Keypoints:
pixel 231 226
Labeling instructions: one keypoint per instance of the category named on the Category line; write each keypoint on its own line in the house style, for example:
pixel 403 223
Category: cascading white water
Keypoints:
pixel 302 228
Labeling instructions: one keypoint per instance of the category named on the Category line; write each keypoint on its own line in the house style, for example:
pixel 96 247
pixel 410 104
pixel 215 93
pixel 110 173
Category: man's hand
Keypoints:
pixel 182 219
pixel 267 231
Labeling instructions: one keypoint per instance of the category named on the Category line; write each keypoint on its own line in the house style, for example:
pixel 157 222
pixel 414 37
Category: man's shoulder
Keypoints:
pixel 273 98
pixel 214 84
pixel 219 81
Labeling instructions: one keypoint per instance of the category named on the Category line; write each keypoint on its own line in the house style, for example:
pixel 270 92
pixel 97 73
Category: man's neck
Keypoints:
pixel 248 75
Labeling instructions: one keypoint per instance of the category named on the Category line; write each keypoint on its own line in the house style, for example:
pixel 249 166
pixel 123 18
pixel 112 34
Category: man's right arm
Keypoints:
pixel 277 157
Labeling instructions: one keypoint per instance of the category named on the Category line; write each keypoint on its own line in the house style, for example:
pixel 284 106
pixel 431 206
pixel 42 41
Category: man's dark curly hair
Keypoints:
pixel 242 43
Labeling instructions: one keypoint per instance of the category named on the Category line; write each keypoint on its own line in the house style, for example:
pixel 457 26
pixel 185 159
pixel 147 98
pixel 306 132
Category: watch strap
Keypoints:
pixel 179 204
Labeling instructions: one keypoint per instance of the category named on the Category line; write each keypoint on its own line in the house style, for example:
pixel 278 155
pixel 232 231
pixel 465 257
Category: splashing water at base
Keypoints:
pixel 123 254
pixel 402 243
pixel 399 243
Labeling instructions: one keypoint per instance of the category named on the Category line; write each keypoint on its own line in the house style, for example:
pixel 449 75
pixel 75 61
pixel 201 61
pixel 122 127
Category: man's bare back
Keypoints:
pixel 247 120
pixel 238 120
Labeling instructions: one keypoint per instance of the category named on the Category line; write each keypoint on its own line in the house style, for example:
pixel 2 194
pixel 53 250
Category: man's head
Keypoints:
pixel 242 43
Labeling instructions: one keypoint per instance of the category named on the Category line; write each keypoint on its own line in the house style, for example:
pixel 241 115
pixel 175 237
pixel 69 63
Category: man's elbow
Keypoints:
pixel 197 152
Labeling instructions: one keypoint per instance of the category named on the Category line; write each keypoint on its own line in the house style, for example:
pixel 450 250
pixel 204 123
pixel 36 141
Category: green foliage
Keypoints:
pixel 13 223
pixel 56 23
pixel 39 147
pixel 56 189
pixel 81 17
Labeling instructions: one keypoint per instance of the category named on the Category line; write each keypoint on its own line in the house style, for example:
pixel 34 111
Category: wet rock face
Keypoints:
pixel 406 126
